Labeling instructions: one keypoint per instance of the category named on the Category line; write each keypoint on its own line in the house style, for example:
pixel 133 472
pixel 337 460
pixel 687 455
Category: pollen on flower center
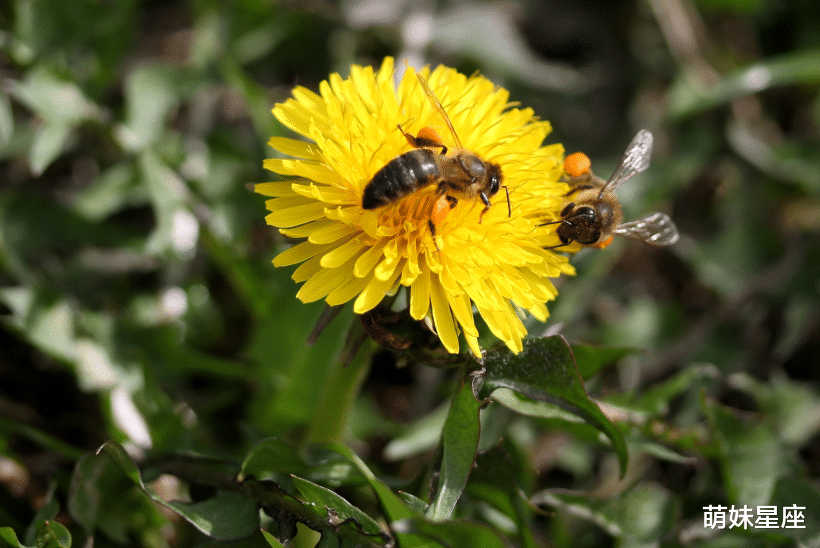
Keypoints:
pixel 495 264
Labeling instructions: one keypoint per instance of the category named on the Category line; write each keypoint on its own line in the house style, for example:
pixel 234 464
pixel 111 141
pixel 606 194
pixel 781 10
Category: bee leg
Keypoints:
pixel 486 201
pixel 563 243
pixel 432 227
pixel 441 190
pixel 557 246
pixel 410 138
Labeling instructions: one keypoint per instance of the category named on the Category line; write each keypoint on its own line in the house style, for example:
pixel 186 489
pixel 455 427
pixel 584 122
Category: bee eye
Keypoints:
pixel 495 183
pixel 586 211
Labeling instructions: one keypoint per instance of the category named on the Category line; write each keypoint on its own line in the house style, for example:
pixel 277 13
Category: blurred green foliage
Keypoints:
pixel 139 308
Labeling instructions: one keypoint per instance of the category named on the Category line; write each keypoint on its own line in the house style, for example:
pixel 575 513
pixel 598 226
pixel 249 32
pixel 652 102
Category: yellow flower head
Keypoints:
pixel 496 263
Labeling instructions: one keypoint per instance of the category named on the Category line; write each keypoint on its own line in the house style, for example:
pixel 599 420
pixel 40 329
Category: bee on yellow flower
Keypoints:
pixel 453 252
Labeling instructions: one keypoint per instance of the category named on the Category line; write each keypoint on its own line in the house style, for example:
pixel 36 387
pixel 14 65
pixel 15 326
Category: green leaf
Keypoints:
pixel 50 141
pixel 750 454
pixel 9 537
pixel 226 516
pixel 418 437
pixel 801 67
pixel 52 534
pixel 450 533
pixel 149 97
pixel 47 512
pixel 413 502
pixel 6 120
pixel 793 406
pixel 110 192
pixel 393 506
pixel 459 444
pixel 654 401
pixel 524 406
pixel 507 496
pixel 638 442
pixel 340 508
pixel 545 370
pixel 591 359
pixel 118 455
pixel 54 99
pixel 272 540
pixel 639 516
pixel 99 479
pixel 104 498
pixel 273 457
pixel 167 192
pixel 791 491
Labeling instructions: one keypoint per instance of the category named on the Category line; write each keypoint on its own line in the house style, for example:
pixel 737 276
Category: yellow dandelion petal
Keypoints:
pixel 274 189
pixel 412 268
pixel 305 230
pixel 349 288
pixel 472 344
pixel 309 100
pixel 386 268
pixel 463 312
pixel 321 284
pixel 409 272
pixel 298 253
pixel 340 255
pixel 331 233
pixel 296 116
pixel 292 147
pixel 314 171
pixel 442 316
pixel 307 269
pixel 369 259
pixel 420 294
pixel 539 312
pixel 295 215
pixel 495 263
pixel 373 293
pixel 327 195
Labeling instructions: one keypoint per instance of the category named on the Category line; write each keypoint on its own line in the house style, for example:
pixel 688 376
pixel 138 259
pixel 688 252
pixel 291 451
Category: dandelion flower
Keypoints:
pixel 495 265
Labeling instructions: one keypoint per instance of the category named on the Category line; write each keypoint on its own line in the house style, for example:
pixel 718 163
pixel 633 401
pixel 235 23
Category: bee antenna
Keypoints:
pixel 509 206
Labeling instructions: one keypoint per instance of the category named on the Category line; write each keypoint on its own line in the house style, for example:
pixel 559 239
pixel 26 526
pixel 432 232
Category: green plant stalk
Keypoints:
pixel 338 395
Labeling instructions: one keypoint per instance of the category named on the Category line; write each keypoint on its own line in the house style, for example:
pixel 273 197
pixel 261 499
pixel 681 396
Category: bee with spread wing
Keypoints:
pixel 593 215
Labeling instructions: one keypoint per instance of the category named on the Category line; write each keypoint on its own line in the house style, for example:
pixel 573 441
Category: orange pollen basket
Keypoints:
pixel 603 243
pixel 577 164
pixel 428 133
pixel 440 209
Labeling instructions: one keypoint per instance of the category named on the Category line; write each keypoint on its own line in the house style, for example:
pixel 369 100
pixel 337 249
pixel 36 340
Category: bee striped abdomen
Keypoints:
pixel 401 176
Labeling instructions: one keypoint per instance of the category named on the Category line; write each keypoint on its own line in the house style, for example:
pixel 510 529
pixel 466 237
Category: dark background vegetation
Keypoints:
pixel 138 302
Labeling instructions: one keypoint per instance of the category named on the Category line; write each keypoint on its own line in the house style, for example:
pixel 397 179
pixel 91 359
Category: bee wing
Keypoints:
pixel 654 228
pixel 635 159
pixel 438 108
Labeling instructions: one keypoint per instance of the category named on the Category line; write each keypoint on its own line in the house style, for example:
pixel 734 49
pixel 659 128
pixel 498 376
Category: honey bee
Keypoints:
pixel 593 216
pixel 461 175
